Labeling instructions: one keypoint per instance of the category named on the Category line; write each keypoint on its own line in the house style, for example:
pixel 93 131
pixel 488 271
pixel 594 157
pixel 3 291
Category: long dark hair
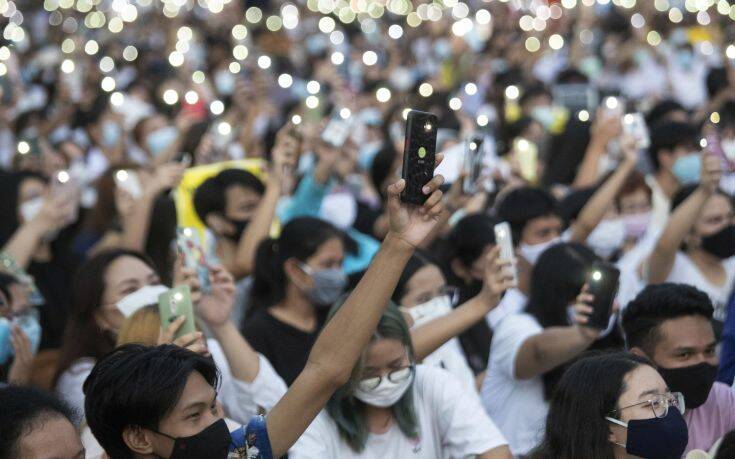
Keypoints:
pixel 417 261
pixel 589 390
pixel 10 191
pixel 556 280
pixel 299 239
pixel 83 337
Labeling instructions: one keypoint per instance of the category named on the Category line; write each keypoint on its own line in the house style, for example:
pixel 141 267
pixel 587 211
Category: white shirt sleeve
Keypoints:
pixel 69 386
pixel 465 428
pixel 316 442
pixel 509 336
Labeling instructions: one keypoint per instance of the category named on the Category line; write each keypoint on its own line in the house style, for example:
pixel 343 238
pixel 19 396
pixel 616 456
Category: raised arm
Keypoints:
pixel 604 129
pixel 345 336
pixel 498 278
pixel 600 202
pixel 682 219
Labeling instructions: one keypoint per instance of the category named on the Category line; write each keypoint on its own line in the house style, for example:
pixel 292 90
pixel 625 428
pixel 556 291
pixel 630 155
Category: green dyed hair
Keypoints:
pixel 349 412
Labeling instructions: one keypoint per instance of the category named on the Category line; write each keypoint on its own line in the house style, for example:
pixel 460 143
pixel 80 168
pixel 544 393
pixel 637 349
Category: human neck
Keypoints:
pixel 668 183
pixel 379 419
pixel 295 310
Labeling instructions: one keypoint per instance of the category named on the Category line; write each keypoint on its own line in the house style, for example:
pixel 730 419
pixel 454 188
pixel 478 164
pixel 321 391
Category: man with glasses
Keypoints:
pixel 671 324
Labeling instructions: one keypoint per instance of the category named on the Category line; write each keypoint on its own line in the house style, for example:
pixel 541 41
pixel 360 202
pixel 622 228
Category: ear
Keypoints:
pixel 217 223
pixel 639 352
pixel 665 159
pixel 294 272
pixel 460 270
pixel 101 320
pixel 139 440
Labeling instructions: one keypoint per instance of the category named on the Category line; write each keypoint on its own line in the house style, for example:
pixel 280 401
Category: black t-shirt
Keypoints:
pixel 286 347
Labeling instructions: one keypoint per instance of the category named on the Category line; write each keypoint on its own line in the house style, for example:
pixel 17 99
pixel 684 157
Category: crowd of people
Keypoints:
pixel 243 159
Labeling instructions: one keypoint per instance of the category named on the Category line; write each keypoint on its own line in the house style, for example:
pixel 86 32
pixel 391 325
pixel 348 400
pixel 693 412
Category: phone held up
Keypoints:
pixel 419 155
pixel 603 280
pixel 504 239
pixel 173 304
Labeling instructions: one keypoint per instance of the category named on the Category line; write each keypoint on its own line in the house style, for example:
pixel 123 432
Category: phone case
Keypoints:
pixel 527 155
pixel 634 125
pixel 504 239
pixel 174 303
pixel 603 281
pixel 419 152
pixel 336 132
pixel 474 155
pixel 195 257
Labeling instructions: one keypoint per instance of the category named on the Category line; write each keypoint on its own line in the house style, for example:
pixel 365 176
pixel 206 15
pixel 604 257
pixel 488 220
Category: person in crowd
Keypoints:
pixel 36 425
pixel 392 407
pixel 671 324
pixel 613 406
pixel 697 246
pixel 531 349
pixel 160 401
pixel 298 276
pixel 20 331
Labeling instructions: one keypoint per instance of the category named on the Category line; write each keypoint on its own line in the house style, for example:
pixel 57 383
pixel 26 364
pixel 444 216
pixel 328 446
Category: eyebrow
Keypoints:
pixel 390 364
pixel 648 392
pixel 198 404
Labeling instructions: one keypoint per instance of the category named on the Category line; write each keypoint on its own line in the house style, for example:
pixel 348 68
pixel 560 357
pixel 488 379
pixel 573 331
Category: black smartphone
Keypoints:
pixel 419 155
pixel 603 280
pixel 473 156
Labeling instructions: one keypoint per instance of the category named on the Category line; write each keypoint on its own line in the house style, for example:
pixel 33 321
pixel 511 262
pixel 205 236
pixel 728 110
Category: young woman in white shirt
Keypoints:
pixel 697 247
pixel 392 408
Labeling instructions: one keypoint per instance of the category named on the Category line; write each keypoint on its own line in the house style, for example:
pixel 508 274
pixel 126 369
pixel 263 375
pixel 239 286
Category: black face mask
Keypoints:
pixel 722 243
pixel 694 382
pixel 240 226
pixel 211 443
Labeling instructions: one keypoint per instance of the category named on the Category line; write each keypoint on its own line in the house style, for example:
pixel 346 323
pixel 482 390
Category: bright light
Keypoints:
pixel 512 92
pixel 556 41
pixel 369 58
pixel 217 107
pixel 121 175
pixel 470 89
pixel 703 143
pixel 117 99
pixel 313 87
pixel 714 117
pixel 382 94
pixel 395 31
pixel 482 120
pixel 296 120
pixel 337 58
pixel 63 177
pixel 455 103
pixel 312 102
pixel 224 128
pixel 67 66
pixel 191 97
pixel 596 276
pixel 23 147
pixel 611 103
pixel 108 84
pixel 425 89
pixel 264 62
pixel 285 80
pixel 345 113
pixel 730 51
pixel 170 96
pixel 583 116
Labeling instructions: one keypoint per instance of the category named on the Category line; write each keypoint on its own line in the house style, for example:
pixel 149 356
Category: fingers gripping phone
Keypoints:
pixel 504 239
pixel 603 280
pixel 174 303
pixel 127 180
pixel 473 158
pixel 419 155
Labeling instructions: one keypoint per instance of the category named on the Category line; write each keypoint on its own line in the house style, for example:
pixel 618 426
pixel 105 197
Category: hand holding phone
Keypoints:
pixel 336 131
pixel 127 180
pixel 175 303
pixel 473 162
pixel 634 125
pixel 526 154
pixel 714 146
pixel 603 280
pixel 504 240
pixel 195 257
pixel 419 155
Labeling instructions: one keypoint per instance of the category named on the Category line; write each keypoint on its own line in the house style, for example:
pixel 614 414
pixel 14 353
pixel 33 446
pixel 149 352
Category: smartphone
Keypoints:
pixel 419 155
pixel 575 96
pixel 474 150
pixel 174 303
pixel 195 257
pixel 336 131
pixel 127 180
pixel 527 155
pixel 603 280
pixel 714 146
pixel 613 106
pixel 64 184
pixel 634 125
pixel 504 239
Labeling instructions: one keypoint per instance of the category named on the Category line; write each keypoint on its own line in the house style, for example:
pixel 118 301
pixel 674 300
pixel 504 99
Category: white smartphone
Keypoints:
pixel 504 239
pixel 336 131
pixel 128 181
pixel 634 125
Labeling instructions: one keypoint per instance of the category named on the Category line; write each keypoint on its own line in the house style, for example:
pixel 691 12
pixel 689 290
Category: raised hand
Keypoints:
pixel 193 341
pixel 411 223
pixel 582 311
pixel 165 176
pixel 22 366
pixel 215 307
pixel 498 276
pixel 711 172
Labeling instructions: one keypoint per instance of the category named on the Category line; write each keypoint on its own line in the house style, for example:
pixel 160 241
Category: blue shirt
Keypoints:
pixel 251 441
pixel 727 353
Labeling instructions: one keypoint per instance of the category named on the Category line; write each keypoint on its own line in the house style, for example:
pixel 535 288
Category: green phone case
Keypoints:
pixel 174 303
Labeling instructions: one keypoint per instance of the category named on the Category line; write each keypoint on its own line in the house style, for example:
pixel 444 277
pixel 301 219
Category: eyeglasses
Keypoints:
pixel 659 404
pixel 394 376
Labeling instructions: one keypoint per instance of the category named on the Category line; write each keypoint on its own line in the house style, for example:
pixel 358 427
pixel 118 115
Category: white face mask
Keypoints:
pixel 607 237
pixel 386 394
pixel 728 147
pixel 426 312
pixel 532 252
pixel 144 296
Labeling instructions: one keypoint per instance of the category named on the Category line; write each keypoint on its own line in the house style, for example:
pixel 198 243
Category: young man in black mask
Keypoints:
pixel 671 324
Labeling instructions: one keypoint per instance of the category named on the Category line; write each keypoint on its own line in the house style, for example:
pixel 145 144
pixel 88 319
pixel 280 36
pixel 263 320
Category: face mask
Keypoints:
pixel 142 297
pixel 636 224
pixel 224 81
pixel 31 208
pixel 386 394
pixel 432 309
pixel 694 382
pixel 159 140
pixel 657 438
pixel 442 48
pixel 240 226
pixel 687 168
pixel 212 442
pixel 532 252
pixel 329 284
pixel 110 134
pixel 722 243
pixel 27 322
pixel 544 115
pixel 728 147
pixel 607 237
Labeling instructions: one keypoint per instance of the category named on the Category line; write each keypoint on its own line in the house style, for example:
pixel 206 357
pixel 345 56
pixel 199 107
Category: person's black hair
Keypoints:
pixel 10 184
pixel 417 261
pixel 209 197
pixel 522 205
pixel 716 81
pixel 661 110
pixel 726 450
pixel 566 151
pixel 657 304
pixel 23 410
pixel 667 135
pixel 138 385
pixel 574 202
pixel 532 91
pixel 727 115
pixel 588 391
pixel 684 192
pixel 300 239
pixel 382 165
pixel 161 235
pixel 571 75
pixel 469 238
pixel 556 280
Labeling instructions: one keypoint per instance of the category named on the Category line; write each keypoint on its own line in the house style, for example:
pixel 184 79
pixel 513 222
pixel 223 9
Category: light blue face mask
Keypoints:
pixel 111 133
pixel 159 140
pixel 544 115
pixel 27 322
pixel 688 168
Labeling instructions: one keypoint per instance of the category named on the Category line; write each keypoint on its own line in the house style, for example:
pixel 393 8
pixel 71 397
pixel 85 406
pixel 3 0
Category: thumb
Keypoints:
pixel 394 193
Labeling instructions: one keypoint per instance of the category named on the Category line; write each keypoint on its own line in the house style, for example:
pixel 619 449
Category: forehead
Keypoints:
pixel 717 204
pixel 639 384
pixel 687 331
pixel 51 437
pixel 427 278
pixel 196 391
pixel 330 247
pixel 238 192
pixel 543 222
pixel 127 267
pixel 382 352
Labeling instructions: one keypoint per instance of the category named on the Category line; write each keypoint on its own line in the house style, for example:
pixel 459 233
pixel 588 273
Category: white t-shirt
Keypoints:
pixel 517 406
pixel 451 425
pixel 685 271
pixel 451 358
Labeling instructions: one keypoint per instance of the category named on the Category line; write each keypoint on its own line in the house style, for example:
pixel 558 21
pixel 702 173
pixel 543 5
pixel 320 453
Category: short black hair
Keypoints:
pixel 522 205
pixel 23 409
pixel 661 110
pixel 138 385
pixel 209 197
pixel 657 304
pixel 667 135
pixel 469 237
